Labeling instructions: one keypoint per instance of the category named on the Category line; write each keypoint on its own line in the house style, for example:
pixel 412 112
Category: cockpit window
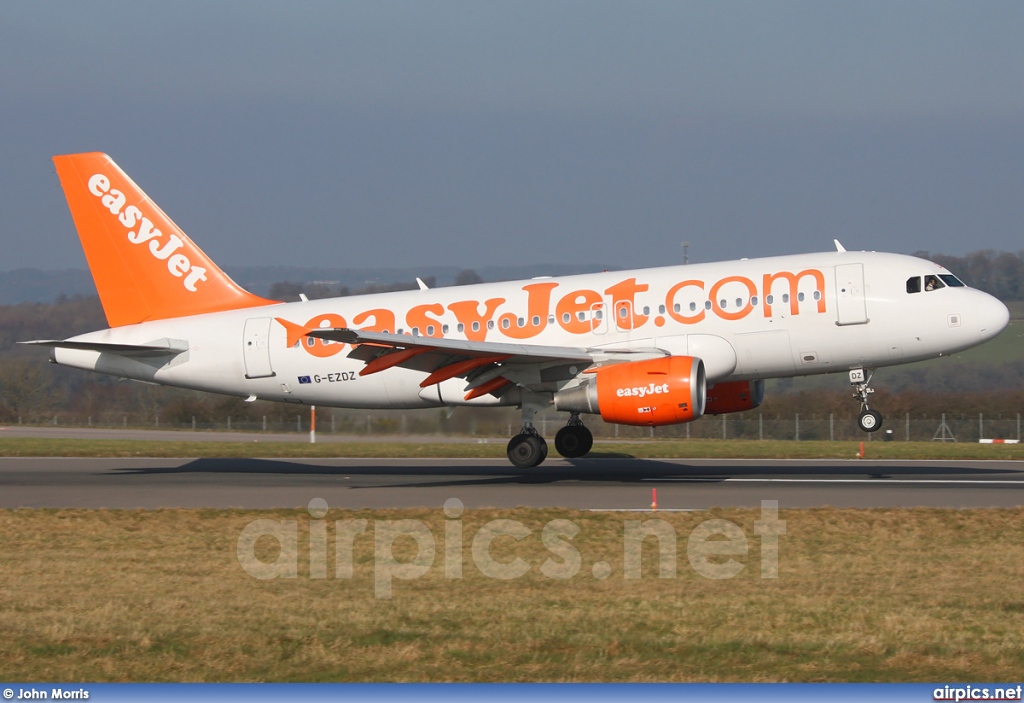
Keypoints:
pixel 951 280
pixel 933 283
pixel 914 284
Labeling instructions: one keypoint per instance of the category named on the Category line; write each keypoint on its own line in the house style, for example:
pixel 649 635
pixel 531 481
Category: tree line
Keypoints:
pixel 289 291
pixel 999 273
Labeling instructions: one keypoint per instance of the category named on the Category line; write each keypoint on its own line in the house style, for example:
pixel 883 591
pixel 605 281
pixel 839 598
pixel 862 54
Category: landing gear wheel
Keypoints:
pixel 527 450
pixel 573 441
pixel 870 420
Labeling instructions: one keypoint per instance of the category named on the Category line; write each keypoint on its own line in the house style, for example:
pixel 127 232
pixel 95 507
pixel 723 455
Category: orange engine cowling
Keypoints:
pixel 734 397
pixel 664 391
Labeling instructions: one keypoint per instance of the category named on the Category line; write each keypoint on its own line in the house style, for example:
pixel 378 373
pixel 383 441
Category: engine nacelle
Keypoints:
pixel 734 397
pixel 664 391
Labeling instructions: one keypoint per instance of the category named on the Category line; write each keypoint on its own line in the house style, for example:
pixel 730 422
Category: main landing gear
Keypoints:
pixel 528 449
pixel 869 420
pixel 574 440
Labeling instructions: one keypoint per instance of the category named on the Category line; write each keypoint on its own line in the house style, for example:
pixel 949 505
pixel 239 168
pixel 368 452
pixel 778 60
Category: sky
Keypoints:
pixel 404 134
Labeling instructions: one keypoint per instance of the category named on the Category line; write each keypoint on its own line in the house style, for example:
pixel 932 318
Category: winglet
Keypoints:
pixel 144 266
pixel 839 247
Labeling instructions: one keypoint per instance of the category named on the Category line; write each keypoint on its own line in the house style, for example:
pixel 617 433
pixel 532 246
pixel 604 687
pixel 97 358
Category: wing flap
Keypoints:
pixel 488 367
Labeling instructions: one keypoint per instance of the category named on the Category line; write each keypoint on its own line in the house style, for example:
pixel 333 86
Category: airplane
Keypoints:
pixel 647 347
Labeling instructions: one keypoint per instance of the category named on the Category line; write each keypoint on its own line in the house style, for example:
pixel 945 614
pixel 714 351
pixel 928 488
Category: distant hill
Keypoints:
pixel 41 286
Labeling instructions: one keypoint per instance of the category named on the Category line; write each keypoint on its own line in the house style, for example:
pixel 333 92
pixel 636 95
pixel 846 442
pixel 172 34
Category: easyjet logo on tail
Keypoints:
pixel 142 232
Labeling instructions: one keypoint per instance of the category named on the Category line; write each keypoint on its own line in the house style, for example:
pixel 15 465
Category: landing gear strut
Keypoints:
pixel 528 449
pixel 869 420
pixel 574 440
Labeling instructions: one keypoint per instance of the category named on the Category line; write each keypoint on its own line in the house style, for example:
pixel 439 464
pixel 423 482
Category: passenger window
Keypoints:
pixel 914 284
pixel 933 283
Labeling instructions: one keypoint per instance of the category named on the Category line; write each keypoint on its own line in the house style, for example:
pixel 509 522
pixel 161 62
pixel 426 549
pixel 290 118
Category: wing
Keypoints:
pixel 488 367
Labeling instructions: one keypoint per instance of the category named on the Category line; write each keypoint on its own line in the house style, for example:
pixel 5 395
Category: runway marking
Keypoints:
pixel 876 481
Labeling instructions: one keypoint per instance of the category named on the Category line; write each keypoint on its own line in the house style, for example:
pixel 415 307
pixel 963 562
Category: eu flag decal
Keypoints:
pixel 304 379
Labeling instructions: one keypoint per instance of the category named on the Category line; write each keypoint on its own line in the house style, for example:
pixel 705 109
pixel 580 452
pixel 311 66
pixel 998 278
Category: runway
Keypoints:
pixel 600 484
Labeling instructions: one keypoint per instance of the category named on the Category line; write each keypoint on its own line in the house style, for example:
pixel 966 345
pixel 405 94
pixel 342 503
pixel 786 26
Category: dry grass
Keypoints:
pixel 878 595
pixel 495 449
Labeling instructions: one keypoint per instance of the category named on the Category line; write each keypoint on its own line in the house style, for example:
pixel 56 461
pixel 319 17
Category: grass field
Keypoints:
pixel 861 595
pixel 495 449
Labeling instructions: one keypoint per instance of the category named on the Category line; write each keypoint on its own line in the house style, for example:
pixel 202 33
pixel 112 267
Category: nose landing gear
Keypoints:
pixel 869 420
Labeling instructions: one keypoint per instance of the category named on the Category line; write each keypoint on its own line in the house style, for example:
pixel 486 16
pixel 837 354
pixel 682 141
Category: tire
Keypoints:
pixel 870 421
pixel 526 451
pixel 588 442
pixel 573 441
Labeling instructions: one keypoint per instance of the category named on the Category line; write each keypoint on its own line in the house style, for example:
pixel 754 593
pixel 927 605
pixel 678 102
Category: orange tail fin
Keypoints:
pixel 144 266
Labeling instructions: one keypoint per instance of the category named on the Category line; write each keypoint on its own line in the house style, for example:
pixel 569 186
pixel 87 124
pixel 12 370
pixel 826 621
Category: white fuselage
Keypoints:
pixel 748 319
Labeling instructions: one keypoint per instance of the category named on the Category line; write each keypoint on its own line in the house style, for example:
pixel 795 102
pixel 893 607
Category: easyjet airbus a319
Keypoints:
pixel 648 347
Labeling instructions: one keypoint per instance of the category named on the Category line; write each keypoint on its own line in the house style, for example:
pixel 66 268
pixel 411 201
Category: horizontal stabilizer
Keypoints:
pixel 161 347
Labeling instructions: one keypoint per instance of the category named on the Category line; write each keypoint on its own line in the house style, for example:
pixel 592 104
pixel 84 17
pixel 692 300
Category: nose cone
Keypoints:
pixel 990 316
